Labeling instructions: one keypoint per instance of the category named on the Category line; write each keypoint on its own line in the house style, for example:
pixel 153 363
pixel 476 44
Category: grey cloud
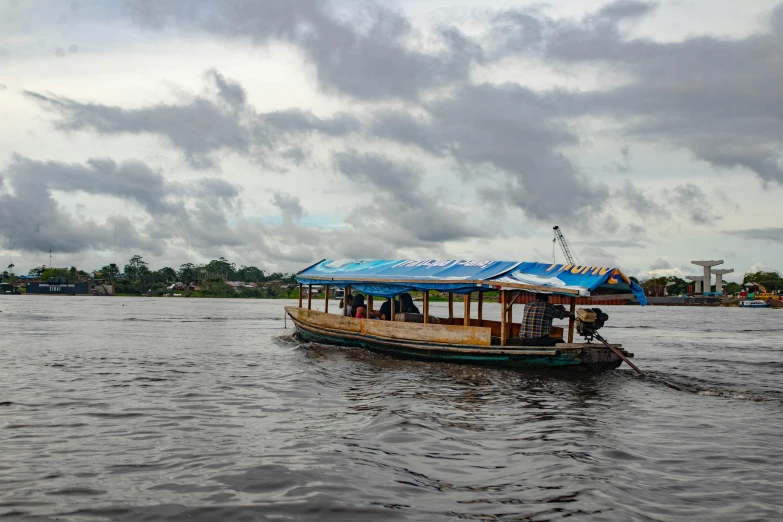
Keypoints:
pixel 230 91
pixel 290 246
pixel 35 222
pixel 660 264
pixel 202 128
pixel 132 180
pixel 130 237
pixel 199 128
pixel 715 96
pixel 597 256
pixel 516 32
pixel 402 226
pixel 617 243
pixel 214 187
pixel 290 206
pixel 295 155
pixel 363 55
pixel 624 9
pixel 31 219
pixel 512 129
pixel 624 165
pixel 404 128
pixel 406 215
pixel 772 234
pixel 434 224
pixel 693 203
pixel 636 200
pixel 298 121
pixel 399 180
pixel 636 231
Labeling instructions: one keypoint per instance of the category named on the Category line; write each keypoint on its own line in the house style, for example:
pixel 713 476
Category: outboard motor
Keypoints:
pixel 588 321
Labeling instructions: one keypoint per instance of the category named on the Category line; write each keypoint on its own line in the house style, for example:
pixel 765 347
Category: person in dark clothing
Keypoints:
pixel 538 322
pixel 406 304
pixel 385 311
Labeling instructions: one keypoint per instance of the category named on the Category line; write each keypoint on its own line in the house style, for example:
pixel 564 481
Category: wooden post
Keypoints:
pixel 369 305
pixel 510 321
pixel 300 295
pixel 503 315
pixel 345 299
pixel 451 308
pixel 393 311
pixel 326 299
pixel 467 310
pixel 571 321
pixel 309 297
pixel 427 307
pixel 481 308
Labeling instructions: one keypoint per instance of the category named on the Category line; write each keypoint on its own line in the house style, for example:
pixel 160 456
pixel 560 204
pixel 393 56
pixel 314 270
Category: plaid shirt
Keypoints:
pixel 538 319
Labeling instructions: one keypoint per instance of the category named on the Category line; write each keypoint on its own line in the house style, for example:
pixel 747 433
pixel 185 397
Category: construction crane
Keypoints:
pixel 571 258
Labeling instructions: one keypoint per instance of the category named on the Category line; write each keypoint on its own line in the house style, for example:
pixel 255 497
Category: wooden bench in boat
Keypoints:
pixel 555 332
pixel 435 334
pixel 397 330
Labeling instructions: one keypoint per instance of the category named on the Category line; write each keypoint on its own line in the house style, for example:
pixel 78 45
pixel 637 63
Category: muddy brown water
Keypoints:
pixel 202 409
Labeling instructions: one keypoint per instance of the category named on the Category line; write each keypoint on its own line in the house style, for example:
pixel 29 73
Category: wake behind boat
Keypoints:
pixel 467 339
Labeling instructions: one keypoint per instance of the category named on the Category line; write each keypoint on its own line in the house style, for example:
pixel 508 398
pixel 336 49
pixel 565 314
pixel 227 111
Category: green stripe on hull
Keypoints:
pixel 561 361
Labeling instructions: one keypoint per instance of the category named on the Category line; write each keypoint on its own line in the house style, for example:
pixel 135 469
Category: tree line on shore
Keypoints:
pixel 136 278
pixel 654 286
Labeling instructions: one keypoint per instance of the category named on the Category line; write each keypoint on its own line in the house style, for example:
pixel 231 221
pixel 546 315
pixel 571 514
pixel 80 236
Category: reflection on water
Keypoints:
pixel 148 409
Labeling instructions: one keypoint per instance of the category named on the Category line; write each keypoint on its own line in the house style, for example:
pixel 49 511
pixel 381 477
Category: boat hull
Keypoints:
pixel 753 304
pixel 580 357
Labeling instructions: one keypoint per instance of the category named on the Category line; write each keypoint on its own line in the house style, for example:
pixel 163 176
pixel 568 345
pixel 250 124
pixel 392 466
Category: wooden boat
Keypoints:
pixel 8 288
pixel 463 339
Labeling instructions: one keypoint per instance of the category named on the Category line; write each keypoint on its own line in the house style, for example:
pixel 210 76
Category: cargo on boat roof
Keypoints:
pixel 389 278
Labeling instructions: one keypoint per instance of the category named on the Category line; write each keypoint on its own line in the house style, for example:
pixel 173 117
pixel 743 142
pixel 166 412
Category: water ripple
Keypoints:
pixel 150 409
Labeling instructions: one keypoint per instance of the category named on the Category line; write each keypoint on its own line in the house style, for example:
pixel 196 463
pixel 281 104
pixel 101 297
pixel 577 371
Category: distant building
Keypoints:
pixel 59 286
pixel 238 285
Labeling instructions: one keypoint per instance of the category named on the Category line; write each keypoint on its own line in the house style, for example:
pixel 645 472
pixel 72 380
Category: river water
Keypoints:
pixel 202 409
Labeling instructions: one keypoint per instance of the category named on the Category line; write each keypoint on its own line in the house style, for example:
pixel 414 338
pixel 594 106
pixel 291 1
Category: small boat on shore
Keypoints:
pixel 8 288
pixel 754 303
pixel 466 339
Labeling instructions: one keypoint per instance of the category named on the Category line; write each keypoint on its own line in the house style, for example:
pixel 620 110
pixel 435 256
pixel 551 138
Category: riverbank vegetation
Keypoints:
pixel 673 285
pixel 218 278
pixel 222 278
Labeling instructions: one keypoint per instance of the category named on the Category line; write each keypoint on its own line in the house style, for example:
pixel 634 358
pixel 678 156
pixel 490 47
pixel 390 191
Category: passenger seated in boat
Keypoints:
pixel 537 322
pixel 349 300
pixel 406 305
pixel 359 310
pixel 385 311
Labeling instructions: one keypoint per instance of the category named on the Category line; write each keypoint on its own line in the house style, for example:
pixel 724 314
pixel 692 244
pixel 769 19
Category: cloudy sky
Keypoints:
pixel 277 133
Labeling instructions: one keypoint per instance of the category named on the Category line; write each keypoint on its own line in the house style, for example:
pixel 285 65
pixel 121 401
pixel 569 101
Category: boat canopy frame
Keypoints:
pixel 390 278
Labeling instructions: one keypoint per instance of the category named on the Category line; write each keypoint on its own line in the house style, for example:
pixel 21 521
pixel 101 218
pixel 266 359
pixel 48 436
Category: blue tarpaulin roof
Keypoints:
pixel 392 277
